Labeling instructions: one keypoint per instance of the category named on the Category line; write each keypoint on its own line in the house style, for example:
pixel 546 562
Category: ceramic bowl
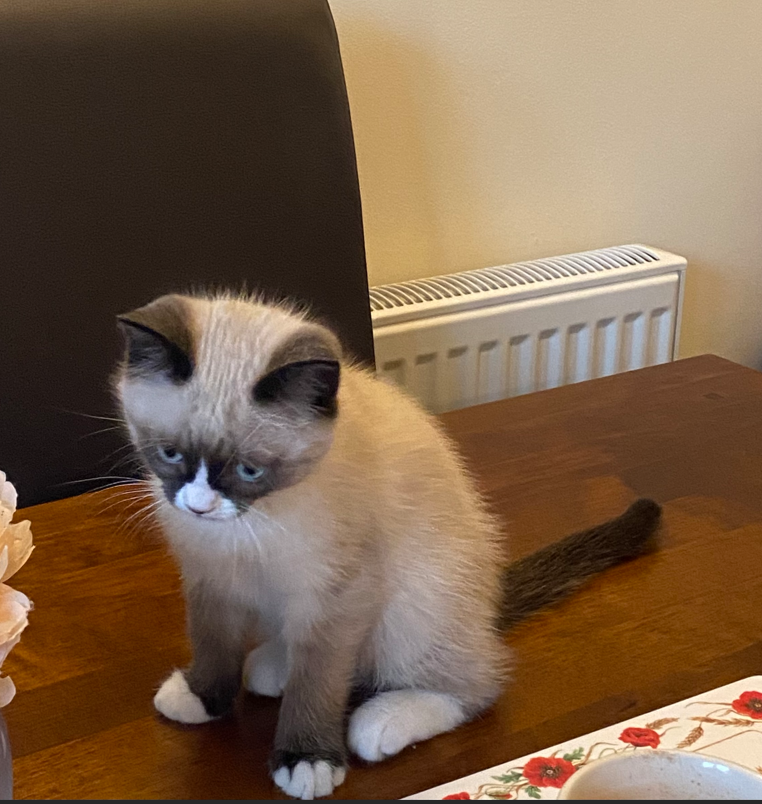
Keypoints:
pixel 650 775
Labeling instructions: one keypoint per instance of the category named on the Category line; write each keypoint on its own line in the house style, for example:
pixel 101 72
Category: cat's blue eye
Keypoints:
pixel 249 473
pixel 170 455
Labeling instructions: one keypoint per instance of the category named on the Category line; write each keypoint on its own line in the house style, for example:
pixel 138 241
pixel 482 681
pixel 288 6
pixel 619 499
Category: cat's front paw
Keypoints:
pixel 175 701
pixel 306 776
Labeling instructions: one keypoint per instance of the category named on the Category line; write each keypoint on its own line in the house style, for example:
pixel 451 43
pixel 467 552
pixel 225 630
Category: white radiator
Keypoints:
pixel 492 333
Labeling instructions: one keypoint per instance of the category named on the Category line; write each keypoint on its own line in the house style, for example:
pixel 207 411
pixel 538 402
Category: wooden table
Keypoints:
pixel 109 619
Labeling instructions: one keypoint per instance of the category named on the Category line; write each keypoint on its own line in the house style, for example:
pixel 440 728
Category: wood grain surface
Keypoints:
pixel 108 623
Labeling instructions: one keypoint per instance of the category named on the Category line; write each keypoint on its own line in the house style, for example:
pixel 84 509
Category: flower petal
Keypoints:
pixel 7 690
pixel 17 539
pixel 14 607
pixel 8 496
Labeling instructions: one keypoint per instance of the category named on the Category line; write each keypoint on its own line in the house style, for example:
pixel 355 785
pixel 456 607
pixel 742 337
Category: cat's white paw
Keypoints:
pixel 307 780
pixel 390 721
pixel 265 670
pixel 175 701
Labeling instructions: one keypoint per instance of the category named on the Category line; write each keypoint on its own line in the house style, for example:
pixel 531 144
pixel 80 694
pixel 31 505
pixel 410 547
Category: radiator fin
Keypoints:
pixel 480 280
pixel 450 353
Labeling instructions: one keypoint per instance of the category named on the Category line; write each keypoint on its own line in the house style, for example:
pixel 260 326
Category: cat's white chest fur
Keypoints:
pixel 260 560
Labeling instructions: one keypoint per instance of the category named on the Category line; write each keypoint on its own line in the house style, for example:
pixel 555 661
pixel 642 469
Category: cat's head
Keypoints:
pixel 226 400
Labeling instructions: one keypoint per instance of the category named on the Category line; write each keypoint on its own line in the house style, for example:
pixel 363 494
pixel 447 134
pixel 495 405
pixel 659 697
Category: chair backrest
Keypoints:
pixel 149 146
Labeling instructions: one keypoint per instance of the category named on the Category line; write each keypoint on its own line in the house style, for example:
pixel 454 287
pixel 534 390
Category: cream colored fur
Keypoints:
pixel 382 503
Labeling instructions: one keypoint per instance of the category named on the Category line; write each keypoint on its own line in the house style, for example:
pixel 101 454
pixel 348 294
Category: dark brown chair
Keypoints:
pixel 149 146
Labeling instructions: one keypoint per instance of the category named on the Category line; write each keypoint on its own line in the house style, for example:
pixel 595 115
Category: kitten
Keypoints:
pixel 324 513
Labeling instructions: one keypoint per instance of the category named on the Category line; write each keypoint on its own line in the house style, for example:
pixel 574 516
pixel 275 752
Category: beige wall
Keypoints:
pixel 490 131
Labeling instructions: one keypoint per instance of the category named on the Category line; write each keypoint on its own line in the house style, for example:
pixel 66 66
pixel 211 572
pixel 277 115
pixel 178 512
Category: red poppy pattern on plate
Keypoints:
pixel 700 724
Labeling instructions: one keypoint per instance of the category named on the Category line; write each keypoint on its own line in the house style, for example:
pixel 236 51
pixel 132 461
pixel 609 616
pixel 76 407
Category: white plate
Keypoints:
pixel 724 724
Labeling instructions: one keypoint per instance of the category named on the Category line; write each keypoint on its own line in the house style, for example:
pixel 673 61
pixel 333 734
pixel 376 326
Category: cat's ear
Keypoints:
pixel 158 339
pixel 308 386
pixel 304 375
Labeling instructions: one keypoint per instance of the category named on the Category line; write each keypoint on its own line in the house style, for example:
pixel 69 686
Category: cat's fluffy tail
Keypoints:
pixel 544 577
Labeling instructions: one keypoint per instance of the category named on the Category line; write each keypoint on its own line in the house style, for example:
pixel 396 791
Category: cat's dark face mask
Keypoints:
pixel 214 457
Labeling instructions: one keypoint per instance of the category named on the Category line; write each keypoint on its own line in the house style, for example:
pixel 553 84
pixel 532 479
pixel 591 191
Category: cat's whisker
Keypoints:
pixel 120 513
pixel 128 489
pixel 106 486
pixel 118 419
pixel 94 479
pixel 126 505
pixel 254 539
pixel 118 484
pixel 129 464
pixel 134 483
pixel 236 564
pixel 120 448
pixel 139 518
pixel 126 498
pixel 269 520
pixel 100 432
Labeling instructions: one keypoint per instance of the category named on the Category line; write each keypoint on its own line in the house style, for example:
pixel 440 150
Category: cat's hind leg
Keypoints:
pixel 390 721
pixel 265 671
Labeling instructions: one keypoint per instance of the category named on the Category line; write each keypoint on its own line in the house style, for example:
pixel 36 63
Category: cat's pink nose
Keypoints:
pixel 201 500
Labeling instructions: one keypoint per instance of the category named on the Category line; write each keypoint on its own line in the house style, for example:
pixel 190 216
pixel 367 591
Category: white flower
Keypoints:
pixel 15 548
pixel 15 540
pixel 14 607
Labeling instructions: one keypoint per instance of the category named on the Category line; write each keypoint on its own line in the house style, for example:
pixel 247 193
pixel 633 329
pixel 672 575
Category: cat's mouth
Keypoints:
pixel 213 508
pixel 211 516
